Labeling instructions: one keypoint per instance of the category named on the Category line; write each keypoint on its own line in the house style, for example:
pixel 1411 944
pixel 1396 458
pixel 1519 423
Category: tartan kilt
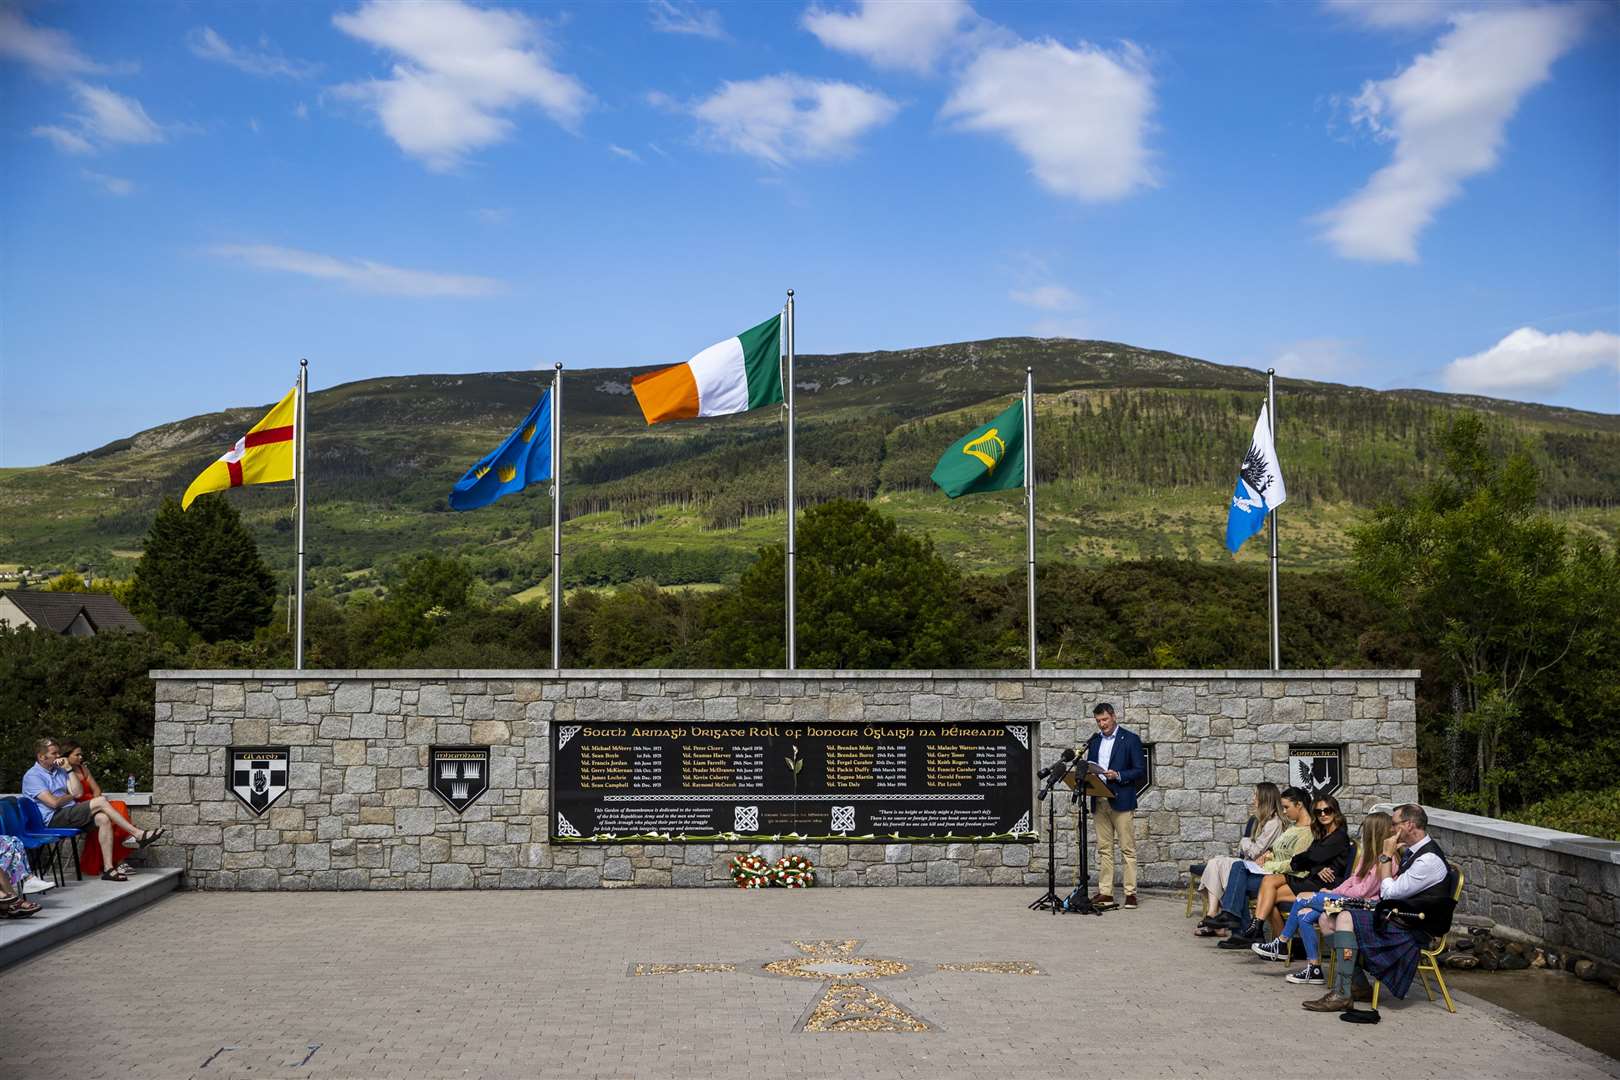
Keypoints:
pixel 1391 954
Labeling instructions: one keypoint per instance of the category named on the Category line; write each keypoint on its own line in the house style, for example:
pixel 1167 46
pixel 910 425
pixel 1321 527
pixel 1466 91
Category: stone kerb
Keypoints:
pixel 359 814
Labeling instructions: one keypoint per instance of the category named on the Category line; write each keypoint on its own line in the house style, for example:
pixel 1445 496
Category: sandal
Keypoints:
pixel 114 875
pixel 1206 931
pixel 150 836
pixel 19 909
pixel 126 869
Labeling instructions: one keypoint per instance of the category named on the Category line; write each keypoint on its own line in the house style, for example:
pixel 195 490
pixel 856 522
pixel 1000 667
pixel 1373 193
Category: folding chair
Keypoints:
pixel 1429 961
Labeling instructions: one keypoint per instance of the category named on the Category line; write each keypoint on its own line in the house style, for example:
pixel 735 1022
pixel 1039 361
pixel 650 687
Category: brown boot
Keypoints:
pixel 1130 901
pixel 1102 898
pixel 1327 1003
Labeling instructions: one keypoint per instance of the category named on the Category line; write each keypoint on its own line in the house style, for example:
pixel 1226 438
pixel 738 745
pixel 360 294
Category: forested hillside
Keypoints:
pixel 1135 454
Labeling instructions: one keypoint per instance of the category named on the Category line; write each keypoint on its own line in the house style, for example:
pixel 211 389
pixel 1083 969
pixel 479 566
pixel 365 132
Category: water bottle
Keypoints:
pixel 131 786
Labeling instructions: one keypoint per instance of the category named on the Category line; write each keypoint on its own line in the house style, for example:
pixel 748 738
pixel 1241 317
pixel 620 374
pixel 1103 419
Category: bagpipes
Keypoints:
pixel 1384 911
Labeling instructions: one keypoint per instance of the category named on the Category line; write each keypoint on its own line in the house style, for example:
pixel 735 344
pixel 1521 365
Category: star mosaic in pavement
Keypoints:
pixel 846 1002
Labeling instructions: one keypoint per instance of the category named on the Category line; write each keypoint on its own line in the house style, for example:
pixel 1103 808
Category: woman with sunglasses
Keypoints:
pixel 83 787
pixel 1362 884
pixel 1320 866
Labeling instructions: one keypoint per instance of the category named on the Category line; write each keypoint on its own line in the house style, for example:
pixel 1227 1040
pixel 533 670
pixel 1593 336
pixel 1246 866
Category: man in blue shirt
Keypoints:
pixel 48 783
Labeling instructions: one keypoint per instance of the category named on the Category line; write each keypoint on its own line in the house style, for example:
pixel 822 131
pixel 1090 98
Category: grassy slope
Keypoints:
pixel 385 452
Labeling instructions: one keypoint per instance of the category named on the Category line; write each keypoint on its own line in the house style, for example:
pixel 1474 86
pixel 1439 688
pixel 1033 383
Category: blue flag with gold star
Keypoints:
pixel 523 459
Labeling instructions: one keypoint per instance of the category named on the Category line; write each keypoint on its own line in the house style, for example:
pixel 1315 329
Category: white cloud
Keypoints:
pixel 1047 297
pixel 112 117
pixel 624 152
pixel 69 142
pixel 782 118
pixel 1528 360
pixel 907 36
pixel 362 274
pixel 460 70
pixel 206 43
pixel 1396 14
pixel 48 52
pixel 677 18
pixel 112 185
pixel 1446 114
pixel 1078 115
pixel 493 215
pixel 301 111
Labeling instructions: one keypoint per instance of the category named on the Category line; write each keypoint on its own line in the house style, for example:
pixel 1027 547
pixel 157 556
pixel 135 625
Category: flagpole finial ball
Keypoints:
pixel 558 365
pixel 303 363
pixel 790 292
pixel 1271 371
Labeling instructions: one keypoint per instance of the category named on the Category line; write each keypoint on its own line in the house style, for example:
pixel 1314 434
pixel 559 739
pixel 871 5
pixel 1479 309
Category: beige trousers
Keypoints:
pixel 1112 824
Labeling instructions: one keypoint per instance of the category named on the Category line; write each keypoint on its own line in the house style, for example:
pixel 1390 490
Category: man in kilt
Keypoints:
pixel 1416 888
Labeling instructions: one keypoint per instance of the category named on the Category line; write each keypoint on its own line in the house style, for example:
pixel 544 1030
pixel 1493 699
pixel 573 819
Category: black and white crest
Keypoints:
pixel 1317 769
pixel 1256 470
pixel 258 775
pixel 458 774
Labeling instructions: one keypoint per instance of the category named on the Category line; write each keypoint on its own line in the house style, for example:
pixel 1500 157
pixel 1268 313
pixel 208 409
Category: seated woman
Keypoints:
pixel 83 787
pixel 1362 884
pixel 1318 867
pixel 13 873
pixel 1266 815
pixel 1244 878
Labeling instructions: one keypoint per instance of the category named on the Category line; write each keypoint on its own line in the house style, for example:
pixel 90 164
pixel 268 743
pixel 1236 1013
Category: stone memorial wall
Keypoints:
pixel 443 779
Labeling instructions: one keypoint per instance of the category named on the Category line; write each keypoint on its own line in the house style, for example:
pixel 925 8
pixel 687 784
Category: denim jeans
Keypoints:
pixel 1301 919
pixel 1241 884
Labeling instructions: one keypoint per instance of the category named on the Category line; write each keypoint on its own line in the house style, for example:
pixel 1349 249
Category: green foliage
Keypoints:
pixel 1514 611
pixel 1590 813
pixel 202 567
pixel 869 596
pixel 91 689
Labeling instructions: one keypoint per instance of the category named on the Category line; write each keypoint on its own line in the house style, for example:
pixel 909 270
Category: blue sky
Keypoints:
pixel 195 195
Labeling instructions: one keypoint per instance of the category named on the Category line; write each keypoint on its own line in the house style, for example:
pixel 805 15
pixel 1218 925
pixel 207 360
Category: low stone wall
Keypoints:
pixel 359 815
pixel 1560 888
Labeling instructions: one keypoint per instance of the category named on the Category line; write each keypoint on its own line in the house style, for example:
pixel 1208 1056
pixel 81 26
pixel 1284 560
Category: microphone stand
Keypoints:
pixel 1078 902
pixel 1051 901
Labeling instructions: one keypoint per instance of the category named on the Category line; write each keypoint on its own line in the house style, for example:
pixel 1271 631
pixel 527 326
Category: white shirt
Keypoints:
pixel 1427 869
pixel 1105 749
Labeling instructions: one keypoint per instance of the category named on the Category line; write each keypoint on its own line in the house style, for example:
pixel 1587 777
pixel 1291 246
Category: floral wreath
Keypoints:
pixel 750 871
pixel 793 872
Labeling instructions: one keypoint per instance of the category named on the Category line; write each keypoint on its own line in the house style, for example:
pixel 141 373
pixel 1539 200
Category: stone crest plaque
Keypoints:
pixel 258 775
pixel 458 774
pixel 1317 769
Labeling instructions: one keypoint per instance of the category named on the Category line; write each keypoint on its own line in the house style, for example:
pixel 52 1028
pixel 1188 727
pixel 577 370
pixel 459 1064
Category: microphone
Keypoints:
pixel 1055 772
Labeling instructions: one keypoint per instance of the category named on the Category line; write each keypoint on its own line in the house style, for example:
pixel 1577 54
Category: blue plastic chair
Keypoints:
pixel 35 820
pixel 43 851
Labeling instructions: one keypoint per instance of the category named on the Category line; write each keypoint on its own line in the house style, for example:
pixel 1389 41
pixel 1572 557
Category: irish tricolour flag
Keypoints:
pixel 738 374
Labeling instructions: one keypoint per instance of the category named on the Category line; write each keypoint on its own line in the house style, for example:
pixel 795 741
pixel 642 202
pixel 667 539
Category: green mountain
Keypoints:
pixel 1136 452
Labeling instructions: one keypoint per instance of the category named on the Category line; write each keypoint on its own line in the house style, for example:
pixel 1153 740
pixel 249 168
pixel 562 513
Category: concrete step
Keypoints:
pixel 78 907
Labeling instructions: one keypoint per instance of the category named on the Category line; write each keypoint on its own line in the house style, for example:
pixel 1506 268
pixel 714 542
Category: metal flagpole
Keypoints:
pixel 556 519
pixel 299 433
pixel 792 505
pixel 1029 501
pixel 1271 424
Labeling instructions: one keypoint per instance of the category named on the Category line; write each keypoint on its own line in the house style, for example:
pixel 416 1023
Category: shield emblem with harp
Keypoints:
pixel 458 774
pixel 258 775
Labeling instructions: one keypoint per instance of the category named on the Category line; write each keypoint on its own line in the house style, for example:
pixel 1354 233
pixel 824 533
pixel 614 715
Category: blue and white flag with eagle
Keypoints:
pixel 1260 488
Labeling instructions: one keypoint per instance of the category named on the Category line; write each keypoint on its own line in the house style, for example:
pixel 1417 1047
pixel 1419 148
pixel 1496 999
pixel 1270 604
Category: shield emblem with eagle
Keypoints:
pixel 1317 769
pixel 258 775
pixel 458 774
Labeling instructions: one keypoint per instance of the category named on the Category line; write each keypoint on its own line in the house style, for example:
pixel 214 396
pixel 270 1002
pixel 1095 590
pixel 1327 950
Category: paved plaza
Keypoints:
pixel 654 983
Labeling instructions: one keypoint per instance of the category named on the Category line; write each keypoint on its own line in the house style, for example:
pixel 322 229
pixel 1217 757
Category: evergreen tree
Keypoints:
pixel 202 567
pixel 869 596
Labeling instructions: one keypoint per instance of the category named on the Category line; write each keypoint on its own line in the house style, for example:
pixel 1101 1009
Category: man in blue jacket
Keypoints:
pixel 1119 753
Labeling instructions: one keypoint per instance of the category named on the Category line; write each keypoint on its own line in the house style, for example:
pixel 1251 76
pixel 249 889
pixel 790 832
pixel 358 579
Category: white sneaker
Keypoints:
pixel 32 884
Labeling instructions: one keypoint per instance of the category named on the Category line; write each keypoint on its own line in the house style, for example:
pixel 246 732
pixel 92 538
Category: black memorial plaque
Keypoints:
pixel 861 783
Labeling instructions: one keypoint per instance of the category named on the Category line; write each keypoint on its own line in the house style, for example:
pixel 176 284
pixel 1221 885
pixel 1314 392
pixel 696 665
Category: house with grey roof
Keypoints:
pixel 74 614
